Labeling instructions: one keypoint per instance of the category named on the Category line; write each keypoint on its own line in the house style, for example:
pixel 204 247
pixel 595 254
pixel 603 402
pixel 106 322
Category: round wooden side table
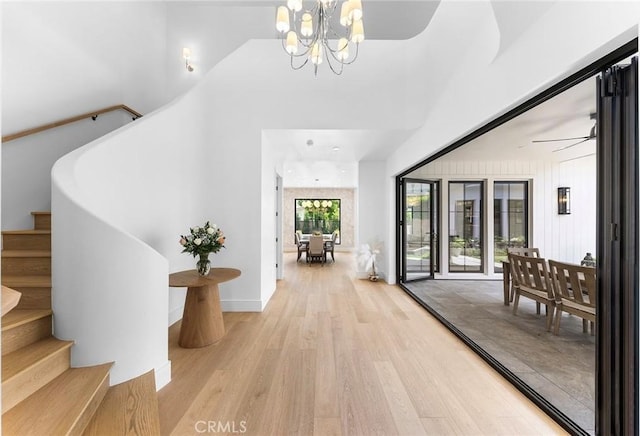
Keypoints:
pixel 202 322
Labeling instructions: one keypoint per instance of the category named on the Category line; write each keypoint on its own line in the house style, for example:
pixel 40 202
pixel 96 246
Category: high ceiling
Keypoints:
pixel 567 115
pixel 321 164
pixel 332 158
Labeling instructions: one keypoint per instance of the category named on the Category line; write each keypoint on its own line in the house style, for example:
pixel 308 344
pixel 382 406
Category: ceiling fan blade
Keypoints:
pixel 572 145
pixel 562 139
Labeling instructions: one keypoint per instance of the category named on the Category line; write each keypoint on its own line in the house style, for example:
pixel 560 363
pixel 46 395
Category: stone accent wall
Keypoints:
pixel 347 213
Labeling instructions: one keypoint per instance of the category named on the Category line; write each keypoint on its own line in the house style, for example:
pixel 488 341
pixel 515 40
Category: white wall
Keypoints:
pixel 120 205
pixel 373 195
pixel 62 59
pixel 577 231
pixel 268 219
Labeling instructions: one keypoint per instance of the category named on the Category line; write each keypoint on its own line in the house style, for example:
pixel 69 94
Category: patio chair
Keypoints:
pixel 522 251
pixel 315 250
pixel 575 287
pixel 531 279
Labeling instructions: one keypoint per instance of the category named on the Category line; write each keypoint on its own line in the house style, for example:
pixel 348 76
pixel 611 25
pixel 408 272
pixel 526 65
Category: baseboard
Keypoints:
pixel 241 305
pixel 163 375
pixel 175 315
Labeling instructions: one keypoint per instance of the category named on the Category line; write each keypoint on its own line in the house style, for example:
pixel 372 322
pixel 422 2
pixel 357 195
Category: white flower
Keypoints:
pixel 196 229
pixel 197 241
pixel 324 203
pixel 210 230
pixel 316 203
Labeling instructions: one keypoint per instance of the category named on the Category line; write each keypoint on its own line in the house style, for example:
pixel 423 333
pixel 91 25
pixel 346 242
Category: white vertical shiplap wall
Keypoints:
pixel 562 237
pixel 577 231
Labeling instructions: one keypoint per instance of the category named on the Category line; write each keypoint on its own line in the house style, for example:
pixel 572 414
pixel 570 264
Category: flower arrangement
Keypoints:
pixel 203 240
pixel 200 242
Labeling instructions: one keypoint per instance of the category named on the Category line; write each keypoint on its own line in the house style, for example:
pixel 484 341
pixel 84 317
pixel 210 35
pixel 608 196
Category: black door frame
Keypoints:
pixel 616 399
pixel 617 248
pixel 434 230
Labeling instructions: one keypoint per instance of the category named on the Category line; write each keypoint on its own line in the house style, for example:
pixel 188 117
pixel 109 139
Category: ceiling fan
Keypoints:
pixel 579 139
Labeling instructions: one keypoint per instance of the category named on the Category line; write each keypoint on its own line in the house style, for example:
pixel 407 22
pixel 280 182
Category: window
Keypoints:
pixel 465 226
pixel 510 223
pixel 317 215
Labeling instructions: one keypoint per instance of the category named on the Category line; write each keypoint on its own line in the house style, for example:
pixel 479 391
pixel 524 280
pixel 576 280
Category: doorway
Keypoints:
pixel 420 246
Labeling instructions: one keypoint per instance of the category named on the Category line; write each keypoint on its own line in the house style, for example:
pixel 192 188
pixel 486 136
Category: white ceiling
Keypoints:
pixel 320 165
pixel 331 159
pixel 566 115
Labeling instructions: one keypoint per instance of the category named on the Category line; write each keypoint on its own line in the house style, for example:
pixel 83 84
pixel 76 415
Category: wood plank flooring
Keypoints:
pixel 333 355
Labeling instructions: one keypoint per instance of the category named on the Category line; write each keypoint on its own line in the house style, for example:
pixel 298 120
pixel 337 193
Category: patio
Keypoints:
pixel 561 368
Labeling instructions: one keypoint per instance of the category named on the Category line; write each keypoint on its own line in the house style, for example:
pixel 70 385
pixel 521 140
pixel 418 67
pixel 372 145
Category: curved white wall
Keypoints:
pixel 119 205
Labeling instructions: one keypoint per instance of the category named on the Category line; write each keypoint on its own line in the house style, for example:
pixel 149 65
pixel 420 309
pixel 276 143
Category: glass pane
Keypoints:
pixel 418 230
pixel 465 227
pixel 317 215
pixel 510 219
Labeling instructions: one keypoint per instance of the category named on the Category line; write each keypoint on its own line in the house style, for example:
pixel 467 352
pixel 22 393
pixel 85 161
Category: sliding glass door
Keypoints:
pixel 420 236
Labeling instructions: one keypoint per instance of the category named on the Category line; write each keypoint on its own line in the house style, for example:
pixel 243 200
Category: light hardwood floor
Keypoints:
pixel 335 355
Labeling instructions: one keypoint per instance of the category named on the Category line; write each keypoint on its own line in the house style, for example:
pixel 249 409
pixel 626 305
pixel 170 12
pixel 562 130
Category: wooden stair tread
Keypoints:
pixel 130 408
pixel 41 213
pixel 26 253
pixel 18 317
pixel 10 299
pixel 26 232
pixel 63 406
pixel 30 281
pixel 21 360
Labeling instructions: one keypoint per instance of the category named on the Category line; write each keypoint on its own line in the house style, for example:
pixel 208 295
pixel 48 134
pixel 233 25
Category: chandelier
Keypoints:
pixel 310 35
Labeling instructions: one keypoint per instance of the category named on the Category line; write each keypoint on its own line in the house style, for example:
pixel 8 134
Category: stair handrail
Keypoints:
pixel 92 114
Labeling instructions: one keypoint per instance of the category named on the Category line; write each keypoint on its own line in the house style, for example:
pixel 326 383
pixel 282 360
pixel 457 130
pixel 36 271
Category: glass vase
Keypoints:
pixel 203 265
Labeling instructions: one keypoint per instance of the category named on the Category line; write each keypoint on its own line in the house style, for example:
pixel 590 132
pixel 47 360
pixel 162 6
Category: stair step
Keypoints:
pixel 41 220
pixel 23 327
pixel 64 406
pixel 128 408
pixel 26 262
pixel 35 290
pixel 26 240
pixel 26 370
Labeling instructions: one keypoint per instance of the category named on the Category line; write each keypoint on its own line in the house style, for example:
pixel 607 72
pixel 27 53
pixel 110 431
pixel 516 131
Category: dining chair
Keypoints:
pixel 302 246
pixel 315 250
pixel 330 245
pixel 575 287
pixel 531 279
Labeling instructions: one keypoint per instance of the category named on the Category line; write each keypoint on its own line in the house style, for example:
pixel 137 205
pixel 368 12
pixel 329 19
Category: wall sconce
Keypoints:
pixel 564 201
pixel 186 54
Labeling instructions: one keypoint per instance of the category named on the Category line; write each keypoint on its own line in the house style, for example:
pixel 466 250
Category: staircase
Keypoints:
pixel 41 393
